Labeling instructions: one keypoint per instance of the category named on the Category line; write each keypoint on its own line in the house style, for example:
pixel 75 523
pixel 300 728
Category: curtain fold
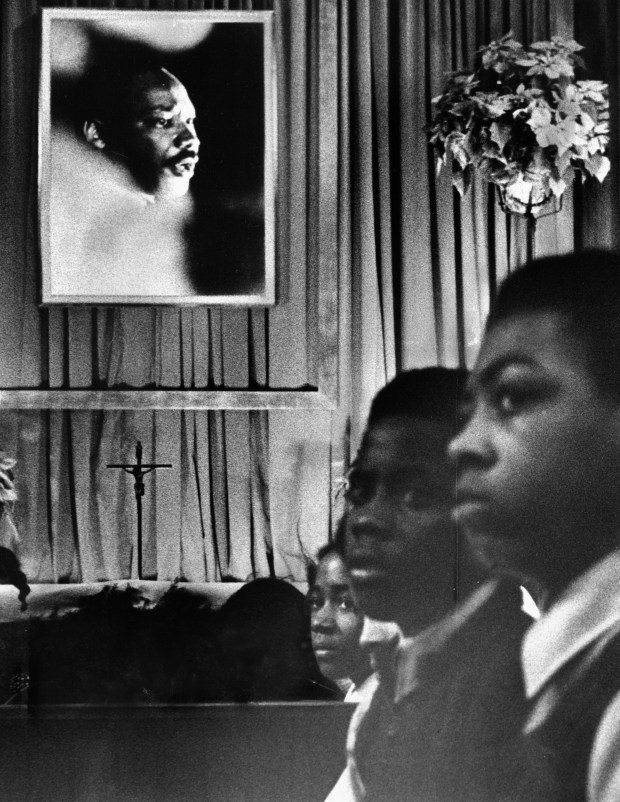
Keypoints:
pixel 419 265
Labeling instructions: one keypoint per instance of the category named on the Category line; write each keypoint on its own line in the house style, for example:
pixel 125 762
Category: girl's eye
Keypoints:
pixel 347 604
pixel 161 122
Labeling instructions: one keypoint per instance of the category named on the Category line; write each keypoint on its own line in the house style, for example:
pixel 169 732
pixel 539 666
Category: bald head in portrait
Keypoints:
pixel 149 125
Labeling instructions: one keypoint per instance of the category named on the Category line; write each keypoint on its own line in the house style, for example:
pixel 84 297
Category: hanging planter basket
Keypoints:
pixel 529 198
pixel 523 121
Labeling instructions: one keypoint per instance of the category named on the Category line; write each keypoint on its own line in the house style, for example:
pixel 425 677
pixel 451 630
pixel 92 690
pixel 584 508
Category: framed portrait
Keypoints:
pixel 157 157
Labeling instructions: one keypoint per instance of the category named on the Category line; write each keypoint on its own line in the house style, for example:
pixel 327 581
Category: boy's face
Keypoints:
pixel 537 460
pixel 400 545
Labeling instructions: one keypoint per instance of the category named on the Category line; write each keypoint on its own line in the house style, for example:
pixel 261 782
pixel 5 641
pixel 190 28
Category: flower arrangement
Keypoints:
pixel 523 120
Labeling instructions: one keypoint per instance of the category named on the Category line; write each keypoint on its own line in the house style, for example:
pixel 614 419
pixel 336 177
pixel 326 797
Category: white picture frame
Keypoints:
pixel 105 236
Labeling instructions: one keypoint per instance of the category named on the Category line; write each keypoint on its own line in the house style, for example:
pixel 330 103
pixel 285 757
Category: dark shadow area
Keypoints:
pixel 116 649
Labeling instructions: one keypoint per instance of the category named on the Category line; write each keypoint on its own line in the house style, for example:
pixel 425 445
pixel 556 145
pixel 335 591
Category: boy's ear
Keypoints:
pixel 93 134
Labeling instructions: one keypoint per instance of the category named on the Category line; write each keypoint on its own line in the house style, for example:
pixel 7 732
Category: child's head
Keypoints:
pixel 538 458
pixel 335 620
pixel 11 573
pixel 264 633
pixel 401 545
pixel 585 290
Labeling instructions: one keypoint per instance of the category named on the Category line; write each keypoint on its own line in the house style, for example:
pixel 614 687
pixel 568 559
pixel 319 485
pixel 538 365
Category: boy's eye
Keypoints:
pixel 346 604
pixel 358 491
pixel 509 400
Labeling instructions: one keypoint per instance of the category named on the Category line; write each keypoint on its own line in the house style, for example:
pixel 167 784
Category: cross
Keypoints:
pixel 138 471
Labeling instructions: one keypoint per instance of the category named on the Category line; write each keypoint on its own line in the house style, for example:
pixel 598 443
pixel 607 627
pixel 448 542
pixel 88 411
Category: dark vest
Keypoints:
pixel 457 736
pixel 565 716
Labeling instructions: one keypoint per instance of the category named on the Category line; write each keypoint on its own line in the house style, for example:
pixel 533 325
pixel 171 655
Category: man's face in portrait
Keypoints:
pixel 154 134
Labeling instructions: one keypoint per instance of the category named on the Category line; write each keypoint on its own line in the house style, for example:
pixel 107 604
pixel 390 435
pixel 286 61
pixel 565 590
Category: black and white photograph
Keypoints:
pixel 310 401
pixel 157 145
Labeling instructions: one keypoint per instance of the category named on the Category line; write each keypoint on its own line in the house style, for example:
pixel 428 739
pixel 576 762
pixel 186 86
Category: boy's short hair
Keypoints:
pixel 429 393
pixel 583 287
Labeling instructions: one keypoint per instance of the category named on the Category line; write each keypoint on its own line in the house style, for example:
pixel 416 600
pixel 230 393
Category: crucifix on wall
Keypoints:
pixel 139 470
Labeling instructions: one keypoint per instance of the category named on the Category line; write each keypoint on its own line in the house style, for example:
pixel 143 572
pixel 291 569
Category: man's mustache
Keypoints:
pixel 181 157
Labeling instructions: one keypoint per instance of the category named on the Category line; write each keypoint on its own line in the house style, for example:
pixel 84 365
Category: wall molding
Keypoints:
pixel 165 399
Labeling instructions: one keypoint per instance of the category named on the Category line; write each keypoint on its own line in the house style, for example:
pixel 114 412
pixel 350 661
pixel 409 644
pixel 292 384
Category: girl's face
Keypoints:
pixel 335 621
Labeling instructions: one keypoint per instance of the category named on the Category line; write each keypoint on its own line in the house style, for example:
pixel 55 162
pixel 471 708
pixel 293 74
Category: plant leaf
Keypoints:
pixel 598 166
pixel 540 118
pixel 521 189
pixel 552 72
pixel 557 187
pixel 461 179
pixel 563 163
pixel 500 134
pixel 567 44
pixel 542 46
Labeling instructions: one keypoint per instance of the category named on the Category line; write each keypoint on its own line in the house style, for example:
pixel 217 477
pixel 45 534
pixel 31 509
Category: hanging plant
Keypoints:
pixel 523 121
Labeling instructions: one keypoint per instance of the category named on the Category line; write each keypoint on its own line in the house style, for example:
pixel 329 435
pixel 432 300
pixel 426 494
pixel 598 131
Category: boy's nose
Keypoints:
pixel 472 444
pixel 373 519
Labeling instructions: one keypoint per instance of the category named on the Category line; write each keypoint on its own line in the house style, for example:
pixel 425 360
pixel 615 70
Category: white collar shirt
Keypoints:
pixel 587 610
